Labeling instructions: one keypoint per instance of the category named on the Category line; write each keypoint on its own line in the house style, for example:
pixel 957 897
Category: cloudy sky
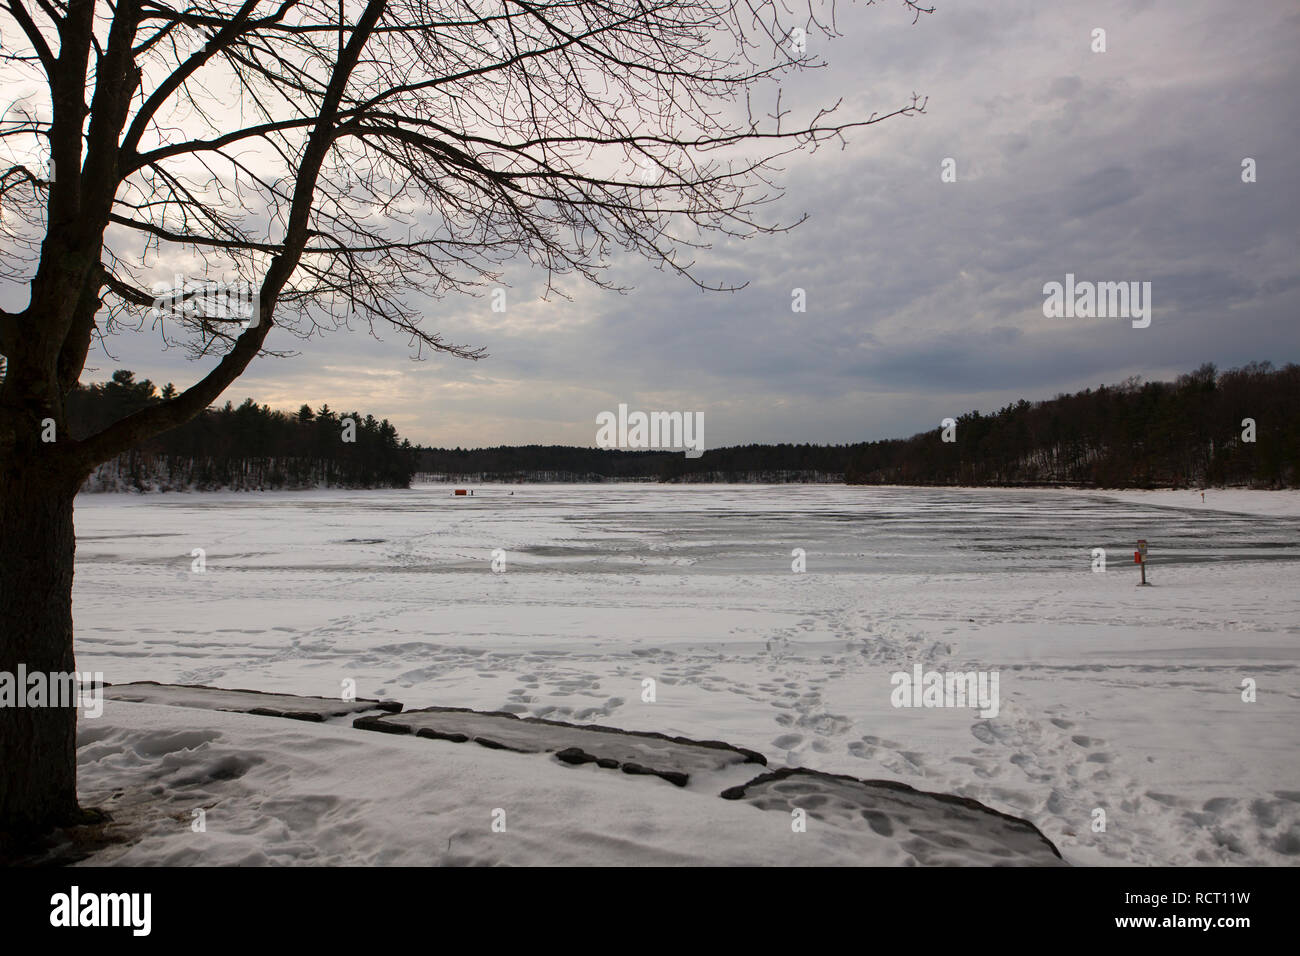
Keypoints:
pixel 924 298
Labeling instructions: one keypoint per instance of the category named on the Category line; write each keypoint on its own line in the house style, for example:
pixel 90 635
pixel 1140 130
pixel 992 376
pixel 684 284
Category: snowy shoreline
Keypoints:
pixel 219 791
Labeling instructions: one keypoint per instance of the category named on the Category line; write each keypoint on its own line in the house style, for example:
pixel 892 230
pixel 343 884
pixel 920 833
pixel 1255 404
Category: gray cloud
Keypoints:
pixel 924 297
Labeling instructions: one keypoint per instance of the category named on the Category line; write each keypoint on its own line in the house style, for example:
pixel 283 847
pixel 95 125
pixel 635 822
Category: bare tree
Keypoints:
pixel 329 157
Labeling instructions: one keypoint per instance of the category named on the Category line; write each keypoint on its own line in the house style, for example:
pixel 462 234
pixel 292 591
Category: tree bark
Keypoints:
pixel 38 760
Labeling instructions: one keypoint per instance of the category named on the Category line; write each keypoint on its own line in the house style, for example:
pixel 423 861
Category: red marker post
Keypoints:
pixel 1140 559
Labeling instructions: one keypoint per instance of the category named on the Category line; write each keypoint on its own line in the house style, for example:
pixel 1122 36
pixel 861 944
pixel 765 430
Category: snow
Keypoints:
pixel 244 701
pixel 288 792
pixel 1277 504
pixel 673 758
pixel 1114 698
pixel 937 830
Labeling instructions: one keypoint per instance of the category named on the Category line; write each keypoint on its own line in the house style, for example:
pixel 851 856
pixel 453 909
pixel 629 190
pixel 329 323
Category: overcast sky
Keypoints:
pixel 924 298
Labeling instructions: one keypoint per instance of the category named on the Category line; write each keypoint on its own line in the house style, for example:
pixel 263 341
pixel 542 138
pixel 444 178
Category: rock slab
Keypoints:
pixel 634 752
pixel 316 709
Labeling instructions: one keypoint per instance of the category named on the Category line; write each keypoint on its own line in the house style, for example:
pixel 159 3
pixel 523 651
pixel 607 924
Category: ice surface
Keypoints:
pixel 1115 698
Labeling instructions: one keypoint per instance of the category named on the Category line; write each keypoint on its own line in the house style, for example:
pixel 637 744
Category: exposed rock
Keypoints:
pixel 574 756
pixel 933 828
pixel 292 706
pixel 636 752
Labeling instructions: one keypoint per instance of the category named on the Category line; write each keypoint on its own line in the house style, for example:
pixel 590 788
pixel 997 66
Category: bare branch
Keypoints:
pixel 33 34
pixel 338 167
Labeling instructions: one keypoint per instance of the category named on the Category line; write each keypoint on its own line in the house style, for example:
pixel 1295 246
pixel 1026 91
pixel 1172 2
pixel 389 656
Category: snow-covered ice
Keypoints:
pixel 1114 698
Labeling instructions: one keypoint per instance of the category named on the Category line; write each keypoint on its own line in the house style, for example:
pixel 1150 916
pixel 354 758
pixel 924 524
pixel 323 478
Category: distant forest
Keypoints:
pixel 1133 435
pixel 515 463
pixel 1176 434
pixel 1184 433
pixel 249 447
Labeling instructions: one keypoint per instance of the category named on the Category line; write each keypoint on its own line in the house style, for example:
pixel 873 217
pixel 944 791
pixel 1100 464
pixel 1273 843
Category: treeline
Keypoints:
pixel 1133 435
pixel 1188 432
pixel 249 447
pixel 528 463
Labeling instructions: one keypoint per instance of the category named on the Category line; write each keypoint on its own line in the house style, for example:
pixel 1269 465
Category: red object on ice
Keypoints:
pixel 461 491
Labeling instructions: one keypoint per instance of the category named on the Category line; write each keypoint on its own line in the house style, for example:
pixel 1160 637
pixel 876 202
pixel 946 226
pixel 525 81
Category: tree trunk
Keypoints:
pixel 38 759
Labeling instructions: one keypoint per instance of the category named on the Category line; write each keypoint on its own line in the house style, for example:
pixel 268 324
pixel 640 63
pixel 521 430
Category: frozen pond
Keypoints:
pixel 1112 697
